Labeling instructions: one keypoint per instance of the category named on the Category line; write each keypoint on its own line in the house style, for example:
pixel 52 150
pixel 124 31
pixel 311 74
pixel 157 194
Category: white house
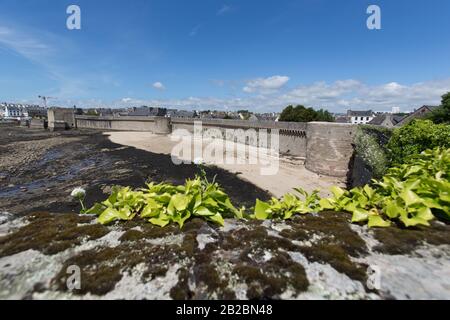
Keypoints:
pixel 10 111
pixel 360 117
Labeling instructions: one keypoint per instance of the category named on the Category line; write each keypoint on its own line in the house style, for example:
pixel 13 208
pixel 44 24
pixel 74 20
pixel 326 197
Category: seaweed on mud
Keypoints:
pixel 51 234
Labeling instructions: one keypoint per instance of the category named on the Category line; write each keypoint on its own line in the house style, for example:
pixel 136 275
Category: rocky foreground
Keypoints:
pixel 318 256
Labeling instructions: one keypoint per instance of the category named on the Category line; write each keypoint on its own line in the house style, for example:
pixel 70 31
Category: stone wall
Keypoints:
pixel 158 125
pixel 292 135
pixel 327 147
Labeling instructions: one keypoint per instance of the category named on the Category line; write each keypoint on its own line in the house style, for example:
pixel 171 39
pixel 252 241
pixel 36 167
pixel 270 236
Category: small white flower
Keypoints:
pixel 78 193
pixel 198 161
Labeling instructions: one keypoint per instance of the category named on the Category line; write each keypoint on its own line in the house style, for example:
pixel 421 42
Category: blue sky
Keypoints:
pixel 260 55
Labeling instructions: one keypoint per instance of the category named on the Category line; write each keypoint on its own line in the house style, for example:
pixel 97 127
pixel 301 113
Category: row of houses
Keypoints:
pixel 145 111
pixel 14 111
pixel 384 119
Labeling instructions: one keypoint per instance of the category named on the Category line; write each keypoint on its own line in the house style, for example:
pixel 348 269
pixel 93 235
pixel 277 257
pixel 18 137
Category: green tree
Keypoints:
pixel 302 114
pixel 442 114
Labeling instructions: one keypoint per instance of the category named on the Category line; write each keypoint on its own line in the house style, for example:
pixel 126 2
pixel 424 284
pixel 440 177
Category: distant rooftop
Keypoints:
pixel 351 113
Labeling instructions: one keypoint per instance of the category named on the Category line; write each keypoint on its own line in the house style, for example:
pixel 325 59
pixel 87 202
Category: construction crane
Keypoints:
pixel 45 99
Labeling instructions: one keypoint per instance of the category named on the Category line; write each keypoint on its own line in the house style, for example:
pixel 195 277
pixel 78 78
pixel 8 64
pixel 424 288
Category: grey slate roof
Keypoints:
pixel 351 113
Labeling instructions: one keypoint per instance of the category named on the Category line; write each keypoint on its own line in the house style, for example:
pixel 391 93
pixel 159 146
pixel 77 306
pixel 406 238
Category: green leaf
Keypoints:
pixel 377 221
pixel 152 209
pixel 180 202
pixel 97 209
pixel 217 218
pixel 360 215
pixel 202 211
pixel 424 213
pixel 210 202
pixel 326 204
pixel 412 222
pixel 181 219
pixel 110 215
pixel 261 210
pixel 288 214
pixel 337 192
pixel 161 221
pixel 393 210
pixel 369 191
pixel 410 197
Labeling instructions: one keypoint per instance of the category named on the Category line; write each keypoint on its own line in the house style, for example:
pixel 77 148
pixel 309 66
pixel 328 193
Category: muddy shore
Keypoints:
pixel 311 257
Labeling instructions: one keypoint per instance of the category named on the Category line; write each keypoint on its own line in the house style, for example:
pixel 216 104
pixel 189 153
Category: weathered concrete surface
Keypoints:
pixel 311 257
pixel 38 124
pixel 61 119
pixel 317 256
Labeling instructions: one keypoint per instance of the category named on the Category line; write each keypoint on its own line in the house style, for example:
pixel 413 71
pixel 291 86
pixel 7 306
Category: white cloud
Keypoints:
pixel 159 86
pixel 195 30
pixel 25 45
pixel 266 85
pixel 224 10
pixel 337 96
pixel 342 94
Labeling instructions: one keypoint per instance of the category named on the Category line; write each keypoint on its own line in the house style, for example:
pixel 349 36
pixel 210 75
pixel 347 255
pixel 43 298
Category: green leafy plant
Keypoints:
pixel 287 206
pixel 162 204
pixel 412 193
pixel 370 146
pixel 416 137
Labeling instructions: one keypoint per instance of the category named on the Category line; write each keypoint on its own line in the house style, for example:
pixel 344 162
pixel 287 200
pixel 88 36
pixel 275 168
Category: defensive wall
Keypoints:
pixel 326 147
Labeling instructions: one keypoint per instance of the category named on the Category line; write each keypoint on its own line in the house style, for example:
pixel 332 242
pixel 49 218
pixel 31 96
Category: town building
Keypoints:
pixel 360 117
pixel 173 113
pixel 145 111
pixel 386 120
pixel 11 111
pixel 417 114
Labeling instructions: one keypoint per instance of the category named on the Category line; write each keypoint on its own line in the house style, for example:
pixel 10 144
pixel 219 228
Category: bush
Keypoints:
pixel 370 146
pixel 302 114
pixel 417 137
pixel 413 193
pixel 442 114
